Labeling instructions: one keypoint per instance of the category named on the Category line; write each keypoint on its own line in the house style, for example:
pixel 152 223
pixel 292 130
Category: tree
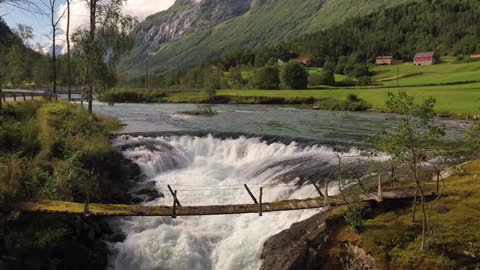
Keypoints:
pixel 15 71
pixel 69 54
pixel 294 76
pixel 25 33
pixel 411 141
pixel 51 10
pixel 266 78
pixel 324 77
pixel 102 44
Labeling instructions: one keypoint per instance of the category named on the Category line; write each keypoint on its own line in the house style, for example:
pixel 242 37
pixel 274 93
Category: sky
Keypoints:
pixel 41 26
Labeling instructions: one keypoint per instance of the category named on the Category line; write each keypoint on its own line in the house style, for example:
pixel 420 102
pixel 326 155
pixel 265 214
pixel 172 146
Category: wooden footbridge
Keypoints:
pixel 71 208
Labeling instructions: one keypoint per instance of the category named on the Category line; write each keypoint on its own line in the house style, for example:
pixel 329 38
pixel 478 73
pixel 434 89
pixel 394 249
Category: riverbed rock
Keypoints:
pixel 307 245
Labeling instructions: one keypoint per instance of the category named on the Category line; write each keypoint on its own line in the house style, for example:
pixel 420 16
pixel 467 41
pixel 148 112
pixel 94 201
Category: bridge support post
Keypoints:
pixel 317 188
pixel 174 214
pixel 326 202
pixel 86 210
pixel 251 194
pixel 31 96
pixel 380 193
pixel 14 97
pixel 174 196
pixel 260 210
pixel 24 97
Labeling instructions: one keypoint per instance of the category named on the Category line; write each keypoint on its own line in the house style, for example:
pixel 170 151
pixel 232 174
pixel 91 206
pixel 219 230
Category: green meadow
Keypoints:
pixel 454 84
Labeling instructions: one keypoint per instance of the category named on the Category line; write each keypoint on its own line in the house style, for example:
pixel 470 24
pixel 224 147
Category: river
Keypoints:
pixel 208 159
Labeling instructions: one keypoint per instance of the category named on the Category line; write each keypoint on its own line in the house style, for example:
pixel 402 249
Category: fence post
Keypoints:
pixel 174 195
pixel 14 97
pixel 260 210
pixel 380 194
pixel 250 193
pixel 174 214
pixel 24 98
pixel 326 202
pixel 1 99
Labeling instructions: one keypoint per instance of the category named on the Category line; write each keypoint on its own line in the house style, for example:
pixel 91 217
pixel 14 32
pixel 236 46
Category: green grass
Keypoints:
pixel 447 72
pixel 457 99
pixel 394 240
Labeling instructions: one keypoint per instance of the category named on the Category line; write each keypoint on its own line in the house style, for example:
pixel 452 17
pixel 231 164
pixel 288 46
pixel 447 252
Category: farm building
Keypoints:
pixel 475 56
pixel 426 58
pixel 303 61
pixel 384 60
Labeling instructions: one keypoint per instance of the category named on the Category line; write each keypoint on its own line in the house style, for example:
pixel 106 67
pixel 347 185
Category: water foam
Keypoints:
pixel 210 171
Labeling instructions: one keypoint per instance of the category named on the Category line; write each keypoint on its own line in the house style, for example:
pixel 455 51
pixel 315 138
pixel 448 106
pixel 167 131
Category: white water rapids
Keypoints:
pixel 212 171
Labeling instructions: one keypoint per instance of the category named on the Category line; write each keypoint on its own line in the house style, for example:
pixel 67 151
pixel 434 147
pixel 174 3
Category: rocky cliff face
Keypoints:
pixel 312 244
pixel 187 16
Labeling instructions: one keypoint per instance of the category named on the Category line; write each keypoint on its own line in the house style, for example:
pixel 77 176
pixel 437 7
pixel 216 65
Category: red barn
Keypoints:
pixel 384 60
pixel 426 58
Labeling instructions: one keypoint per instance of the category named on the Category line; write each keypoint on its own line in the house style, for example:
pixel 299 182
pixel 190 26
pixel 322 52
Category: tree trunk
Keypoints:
pixel 54 49
pixel 91 54
pixel 69 63
pixel 415 203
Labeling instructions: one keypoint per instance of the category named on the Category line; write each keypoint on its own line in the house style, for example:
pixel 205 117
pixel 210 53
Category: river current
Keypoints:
pixel 208 159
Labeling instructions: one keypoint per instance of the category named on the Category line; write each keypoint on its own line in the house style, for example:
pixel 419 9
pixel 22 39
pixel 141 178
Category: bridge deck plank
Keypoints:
pixel 72 208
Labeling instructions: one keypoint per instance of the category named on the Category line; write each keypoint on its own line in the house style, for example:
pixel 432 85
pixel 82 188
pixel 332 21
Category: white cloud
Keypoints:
pixel 137 8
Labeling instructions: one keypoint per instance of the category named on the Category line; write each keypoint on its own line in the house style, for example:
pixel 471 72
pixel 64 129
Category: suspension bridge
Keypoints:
pixel 177 209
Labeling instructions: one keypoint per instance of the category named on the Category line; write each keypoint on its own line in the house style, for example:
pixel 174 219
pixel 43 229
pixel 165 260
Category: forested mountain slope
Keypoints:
pixel 266 23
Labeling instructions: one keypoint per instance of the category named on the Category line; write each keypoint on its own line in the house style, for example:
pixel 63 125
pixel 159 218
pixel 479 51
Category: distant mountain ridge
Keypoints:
pixel 191 32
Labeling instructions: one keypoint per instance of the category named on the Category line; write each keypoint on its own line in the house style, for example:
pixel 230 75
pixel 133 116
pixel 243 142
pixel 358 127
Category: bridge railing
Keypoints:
pixel 22 94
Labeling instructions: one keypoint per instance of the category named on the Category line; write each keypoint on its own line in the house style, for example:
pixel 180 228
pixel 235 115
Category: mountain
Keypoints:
pixel 193 31
pixel 187 16
pixel 7 37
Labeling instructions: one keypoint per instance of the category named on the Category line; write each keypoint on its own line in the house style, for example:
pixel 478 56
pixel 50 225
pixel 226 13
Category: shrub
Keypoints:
pixel 266 78
pixel 325 77
pixel 365 81
pixel 294 76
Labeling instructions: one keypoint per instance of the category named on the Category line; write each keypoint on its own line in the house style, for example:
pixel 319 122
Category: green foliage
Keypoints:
pixel 294 76
pixel 415 133
pixel 324 77
pixel 266 78
pixel 354 217
pixel 269 23
pixel 58 150
pixel 123 96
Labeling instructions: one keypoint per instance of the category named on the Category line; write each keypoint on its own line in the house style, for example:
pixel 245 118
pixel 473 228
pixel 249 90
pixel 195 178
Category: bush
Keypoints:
pixel 325 77
pixel 131 96
pixel 266 78
pixel 365 81
pixel 294 76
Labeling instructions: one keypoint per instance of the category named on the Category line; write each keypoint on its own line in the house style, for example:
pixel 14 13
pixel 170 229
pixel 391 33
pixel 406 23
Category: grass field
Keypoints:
pixel 455 86
pixel 457 99
pixel 448 72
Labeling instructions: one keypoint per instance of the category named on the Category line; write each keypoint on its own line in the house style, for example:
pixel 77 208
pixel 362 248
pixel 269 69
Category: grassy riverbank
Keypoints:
pixel 454 84
pixel 56 151
pixel 390 237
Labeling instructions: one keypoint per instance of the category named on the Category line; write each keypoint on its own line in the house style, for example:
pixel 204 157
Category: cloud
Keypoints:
pixel 137 8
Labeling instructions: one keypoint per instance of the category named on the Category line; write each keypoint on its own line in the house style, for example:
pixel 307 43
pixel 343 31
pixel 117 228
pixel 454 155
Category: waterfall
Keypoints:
pixel 212 171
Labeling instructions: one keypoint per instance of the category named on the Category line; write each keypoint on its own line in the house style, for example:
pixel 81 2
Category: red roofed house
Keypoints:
pixel 384 60
pixel 303 61
pixel 426 58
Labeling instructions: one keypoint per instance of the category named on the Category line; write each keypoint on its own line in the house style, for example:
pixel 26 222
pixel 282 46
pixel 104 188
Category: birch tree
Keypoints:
pixel 411 142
